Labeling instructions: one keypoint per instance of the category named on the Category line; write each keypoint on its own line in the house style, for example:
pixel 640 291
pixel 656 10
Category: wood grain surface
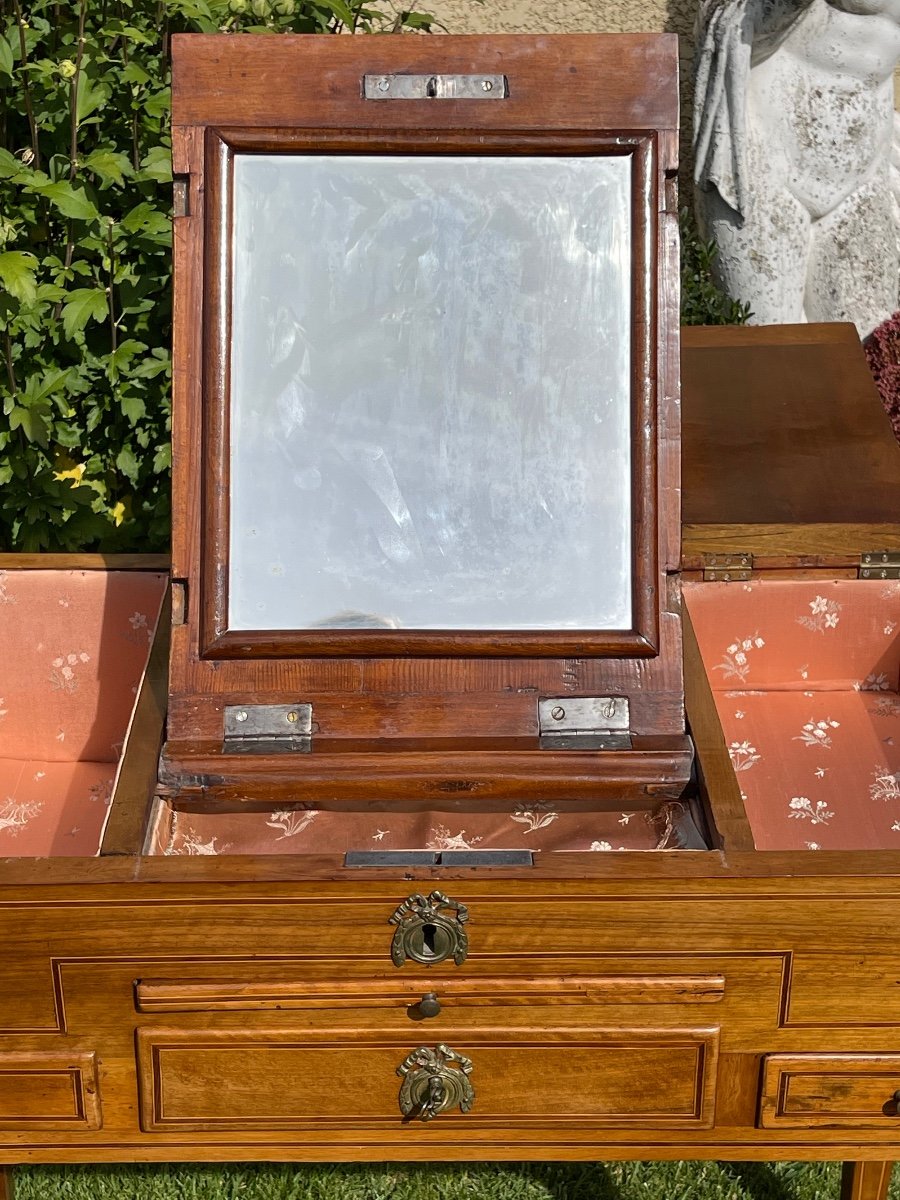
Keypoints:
pixel 720 787
pixel 808 1091
pixel 866 1180
pixel 783 426
pixel 161 995
pixel 84 562
pixel 137 771
pixel 386 685
pixel 567 82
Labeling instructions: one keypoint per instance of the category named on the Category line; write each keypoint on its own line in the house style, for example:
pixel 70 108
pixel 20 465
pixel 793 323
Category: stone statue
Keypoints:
pixel 793 141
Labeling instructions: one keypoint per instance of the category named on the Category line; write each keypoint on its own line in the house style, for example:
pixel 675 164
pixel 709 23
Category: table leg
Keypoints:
pixel 6 1183
pixel 865 1180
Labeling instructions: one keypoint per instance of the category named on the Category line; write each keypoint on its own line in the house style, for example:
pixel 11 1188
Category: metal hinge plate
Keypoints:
pixel 435 87
pixel 181 196
pixel 584 723
pixel 268 728
pixel 727 568
pixel 438 858
pixel 879 564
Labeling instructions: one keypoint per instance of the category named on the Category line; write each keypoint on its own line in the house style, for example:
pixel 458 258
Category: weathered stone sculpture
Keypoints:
pixel 793 135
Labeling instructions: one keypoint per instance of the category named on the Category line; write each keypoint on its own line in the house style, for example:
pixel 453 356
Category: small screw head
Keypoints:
pixel 486 85
pixel 241 716
pixel 292 717
pixel 384 85
pixel 557 713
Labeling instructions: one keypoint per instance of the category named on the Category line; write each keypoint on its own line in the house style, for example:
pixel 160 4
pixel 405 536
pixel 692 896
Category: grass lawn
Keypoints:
pixel 491 1181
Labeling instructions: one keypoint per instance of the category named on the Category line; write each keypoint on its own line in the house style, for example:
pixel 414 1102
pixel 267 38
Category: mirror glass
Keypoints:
pixel 430 395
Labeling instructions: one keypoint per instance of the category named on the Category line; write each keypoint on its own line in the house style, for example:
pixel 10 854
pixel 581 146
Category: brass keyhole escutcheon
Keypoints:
pixel 435 1080
pixel 429 930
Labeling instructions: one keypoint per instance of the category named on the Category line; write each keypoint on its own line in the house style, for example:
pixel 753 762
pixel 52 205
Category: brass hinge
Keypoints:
pixel 181 196
pixel 179 602
pixel 727 568
pixel 879 564
pixel 268 728
pixel 584 723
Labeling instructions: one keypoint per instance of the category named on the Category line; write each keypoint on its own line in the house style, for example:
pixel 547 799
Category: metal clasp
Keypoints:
pixel 435 87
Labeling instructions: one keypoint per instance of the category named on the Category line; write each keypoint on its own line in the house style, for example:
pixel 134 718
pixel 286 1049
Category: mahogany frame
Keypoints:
pixel 216 639
pixel 576 94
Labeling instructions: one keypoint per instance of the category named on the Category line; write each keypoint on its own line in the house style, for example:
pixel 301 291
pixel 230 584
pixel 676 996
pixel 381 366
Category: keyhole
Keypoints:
pixel 428 940
pixel 431 88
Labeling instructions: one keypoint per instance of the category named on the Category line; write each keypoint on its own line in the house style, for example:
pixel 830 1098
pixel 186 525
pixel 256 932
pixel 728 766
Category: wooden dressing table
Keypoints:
pixel 571 949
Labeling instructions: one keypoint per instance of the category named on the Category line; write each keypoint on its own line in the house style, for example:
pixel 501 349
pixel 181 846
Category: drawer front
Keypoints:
pixel 837 1091
pixel 49 1091
pixel 872 1002
pixel 739 993
pixel 302 1079
pixel 466 996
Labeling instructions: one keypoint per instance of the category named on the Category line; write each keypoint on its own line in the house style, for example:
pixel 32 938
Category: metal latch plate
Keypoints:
pixel 438 858
pixel 727 568
pixel 435 87
pixel 584 723
pixel 268 728
pixel 879 564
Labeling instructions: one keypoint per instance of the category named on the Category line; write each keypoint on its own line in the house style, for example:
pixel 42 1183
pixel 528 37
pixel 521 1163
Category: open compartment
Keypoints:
pixel 393 836
pixel 791 588
pixel 75 646
pixel 804 676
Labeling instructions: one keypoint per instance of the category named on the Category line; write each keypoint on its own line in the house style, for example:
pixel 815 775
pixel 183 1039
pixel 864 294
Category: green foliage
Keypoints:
pixel 411 1181
pixel 702 301
pixel 85 255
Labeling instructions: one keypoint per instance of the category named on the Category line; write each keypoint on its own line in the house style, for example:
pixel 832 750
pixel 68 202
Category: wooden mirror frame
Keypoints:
pixel 217 640
pixel 570 94
pixel 391 131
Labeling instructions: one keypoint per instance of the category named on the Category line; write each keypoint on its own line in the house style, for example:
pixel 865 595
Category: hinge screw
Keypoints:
pixel 240 716
pixel 292 717
pixel 486 85
pixel 557 713
pixel 384 85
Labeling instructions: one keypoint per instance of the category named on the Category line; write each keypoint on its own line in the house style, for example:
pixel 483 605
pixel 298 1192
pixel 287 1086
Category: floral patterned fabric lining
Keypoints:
pixel 53 808
pixel 805 679
pixel 300 830
pixel 75 644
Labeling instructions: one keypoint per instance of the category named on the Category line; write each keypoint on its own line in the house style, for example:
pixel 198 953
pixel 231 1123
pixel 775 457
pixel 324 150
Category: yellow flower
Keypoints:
pixel 68 469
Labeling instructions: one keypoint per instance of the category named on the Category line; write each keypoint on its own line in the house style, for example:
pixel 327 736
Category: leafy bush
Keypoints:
pixel 85 255
pixel 702 301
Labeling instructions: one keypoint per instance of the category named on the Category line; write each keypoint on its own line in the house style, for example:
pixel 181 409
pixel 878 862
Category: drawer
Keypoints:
pixel 815 1002
pixel 297 1078
pixel 850 1091
pixel 49 1090
pixel 464 998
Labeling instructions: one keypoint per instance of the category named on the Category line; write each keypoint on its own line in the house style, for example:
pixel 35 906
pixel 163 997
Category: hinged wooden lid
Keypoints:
pixel 789 460
pixel 250 115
